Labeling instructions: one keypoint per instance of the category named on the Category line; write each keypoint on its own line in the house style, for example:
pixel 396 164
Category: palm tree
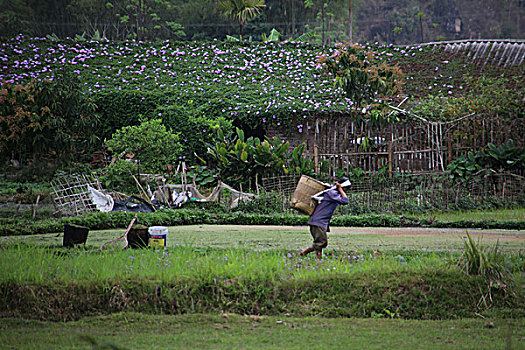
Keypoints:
pixel 240 11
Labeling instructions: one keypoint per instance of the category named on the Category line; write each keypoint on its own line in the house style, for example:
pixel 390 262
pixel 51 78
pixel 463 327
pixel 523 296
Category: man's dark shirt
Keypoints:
pixel 325 209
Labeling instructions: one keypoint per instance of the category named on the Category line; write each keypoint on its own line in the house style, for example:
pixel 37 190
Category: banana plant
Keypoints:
pixel 298 163
pixel 241 160
pixel 270 154
pixel 272 37
pixel 504 157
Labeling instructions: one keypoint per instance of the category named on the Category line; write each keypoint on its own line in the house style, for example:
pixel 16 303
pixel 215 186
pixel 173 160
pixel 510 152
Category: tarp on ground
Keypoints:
pixel 172 194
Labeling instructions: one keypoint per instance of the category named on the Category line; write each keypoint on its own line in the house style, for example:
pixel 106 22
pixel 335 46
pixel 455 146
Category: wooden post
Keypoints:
pixel 335 137
pixel 390 159
pixel 146 197
pixel 36 207
pixel 184 179
pixel 449 146
pixel 256 184
pixel 316 158
pixel 17 212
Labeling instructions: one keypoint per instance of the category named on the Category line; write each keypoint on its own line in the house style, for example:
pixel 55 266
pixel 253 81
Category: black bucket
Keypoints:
pixel 138 237
pixel 74 234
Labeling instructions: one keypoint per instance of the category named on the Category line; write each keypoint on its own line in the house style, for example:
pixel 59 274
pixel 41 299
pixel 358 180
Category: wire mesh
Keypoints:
pixel 72 195
pixel 407 194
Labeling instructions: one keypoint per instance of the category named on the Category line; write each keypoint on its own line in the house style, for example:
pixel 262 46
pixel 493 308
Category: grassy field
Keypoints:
pixel 479 215
pixel 252 262
pixel 227 331
pixel 294 238
pixel 40 264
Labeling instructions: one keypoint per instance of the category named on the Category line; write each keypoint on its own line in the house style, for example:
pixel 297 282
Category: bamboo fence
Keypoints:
pixel 415 193
pixel 412 145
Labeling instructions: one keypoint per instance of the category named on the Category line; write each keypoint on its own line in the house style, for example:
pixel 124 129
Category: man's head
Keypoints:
pixel 344 182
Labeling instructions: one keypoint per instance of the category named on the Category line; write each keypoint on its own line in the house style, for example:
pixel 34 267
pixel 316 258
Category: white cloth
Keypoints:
pixel 103 202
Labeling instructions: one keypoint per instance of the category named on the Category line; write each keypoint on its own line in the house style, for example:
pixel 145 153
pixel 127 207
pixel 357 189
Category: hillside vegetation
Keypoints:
pixel 326 21
pixel 252 84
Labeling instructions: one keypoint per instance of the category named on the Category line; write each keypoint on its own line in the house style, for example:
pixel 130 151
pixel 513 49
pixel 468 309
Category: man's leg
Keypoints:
pixel 311 248
pixel 307 251
pixel 320 240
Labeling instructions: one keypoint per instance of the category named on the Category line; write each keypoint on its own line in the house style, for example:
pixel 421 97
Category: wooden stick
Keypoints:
pixel 389 159
pixel 143 192
pixel 18 208
pixel 36 207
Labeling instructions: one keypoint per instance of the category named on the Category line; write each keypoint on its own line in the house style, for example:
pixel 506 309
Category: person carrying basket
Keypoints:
pixel 327 201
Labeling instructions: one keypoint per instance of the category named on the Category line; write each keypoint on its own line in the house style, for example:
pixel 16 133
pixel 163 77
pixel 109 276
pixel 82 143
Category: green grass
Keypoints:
pixel 227 331
pixel 341 239
pixel 478 215
pixel 251 270
pixel 43 264
pixel 55 283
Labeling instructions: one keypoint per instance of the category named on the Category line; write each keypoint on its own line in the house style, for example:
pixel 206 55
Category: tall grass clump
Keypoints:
pixel 484 261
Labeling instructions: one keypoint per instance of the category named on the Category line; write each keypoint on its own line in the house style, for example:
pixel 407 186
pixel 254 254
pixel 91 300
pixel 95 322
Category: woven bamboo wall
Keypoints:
pixel 409 145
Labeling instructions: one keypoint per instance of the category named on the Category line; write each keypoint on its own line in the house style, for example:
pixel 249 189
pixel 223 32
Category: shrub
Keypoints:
pixel 46 117
pixel 267 203
pixel 118 176
pixel 155 147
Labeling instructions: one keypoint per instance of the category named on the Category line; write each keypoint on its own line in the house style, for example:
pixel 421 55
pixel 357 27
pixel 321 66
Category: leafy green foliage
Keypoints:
pixel 197 127
pixel 495 159
pixel 240 11
pixel 154 146
pixel 118 176
pixel 267 204
pixel 145 18
pixel 297 163
pixel 239 81
pixel 462 168
pixel 242 161
pixel 50 116
pixel 480 95
pixel 364 80
pixel 124 108
pixel 202 175
pixel 502 158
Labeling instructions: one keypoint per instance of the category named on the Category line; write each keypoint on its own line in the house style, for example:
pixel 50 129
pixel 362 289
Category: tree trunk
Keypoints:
pixel 323 27
pixel 350 21
pixel 329 38
pixel 140 20
pixel 293 18
pixel 421 27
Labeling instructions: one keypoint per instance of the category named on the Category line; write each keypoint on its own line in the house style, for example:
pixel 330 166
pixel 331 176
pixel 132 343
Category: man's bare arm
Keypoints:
pixel 340 189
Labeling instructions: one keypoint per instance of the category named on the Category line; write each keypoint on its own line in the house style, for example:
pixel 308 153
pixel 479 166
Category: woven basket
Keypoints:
pixel 305 189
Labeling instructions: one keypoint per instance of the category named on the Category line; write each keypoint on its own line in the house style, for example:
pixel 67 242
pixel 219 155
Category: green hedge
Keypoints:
pixel 112 220
pixel 429 294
